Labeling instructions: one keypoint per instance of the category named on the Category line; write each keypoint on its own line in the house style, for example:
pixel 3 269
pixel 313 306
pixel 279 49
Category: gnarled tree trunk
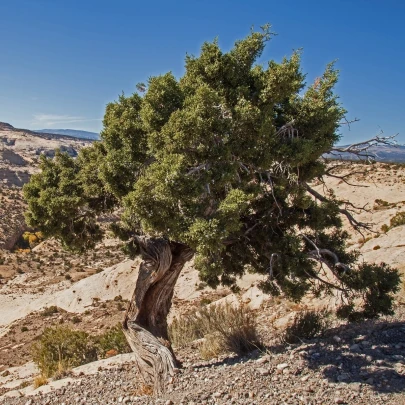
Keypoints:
pixel 145 324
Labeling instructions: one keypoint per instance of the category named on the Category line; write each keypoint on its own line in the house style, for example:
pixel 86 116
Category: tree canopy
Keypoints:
pixel 220 160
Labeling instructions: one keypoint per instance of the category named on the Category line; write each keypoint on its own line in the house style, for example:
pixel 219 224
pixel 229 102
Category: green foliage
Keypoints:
pixel 219 160
pixel 49 311
pixel 307 325
pixel 66 197
pixel 113 339
pixel 397 220
pixel 61 348
pixel 385 228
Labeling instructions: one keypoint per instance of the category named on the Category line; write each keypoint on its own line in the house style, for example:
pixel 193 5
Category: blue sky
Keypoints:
pixel 62 61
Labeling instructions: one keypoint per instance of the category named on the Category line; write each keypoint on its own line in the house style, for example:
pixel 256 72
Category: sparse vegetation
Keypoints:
pixel 76 319
pixel 113 339
pixel 307 325
pixel 398 219
pixel 226 328
pixel 385 228
pixel 60 348
pixel 49 311
pixel 39 381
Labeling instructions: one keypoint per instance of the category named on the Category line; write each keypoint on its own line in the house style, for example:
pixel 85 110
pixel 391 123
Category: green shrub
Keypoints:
pixel 307 325
pixel 49 311
pixel 76 319
pixel 113 339
pixel 398 219
pixel 60 348
pixel 24 329
pixel 385 228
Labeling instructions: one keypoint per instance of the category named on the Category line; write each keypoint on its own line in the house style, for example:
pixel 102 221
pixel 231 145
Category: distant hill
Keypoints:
pixel 5 127
pixel 391 154
pixel 71 132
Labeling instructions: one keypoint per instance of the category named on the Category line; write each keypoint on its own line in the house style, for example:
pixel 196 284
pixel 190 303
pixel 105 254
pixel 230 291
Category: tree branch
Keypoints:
pixel 361 149
pixel 357 225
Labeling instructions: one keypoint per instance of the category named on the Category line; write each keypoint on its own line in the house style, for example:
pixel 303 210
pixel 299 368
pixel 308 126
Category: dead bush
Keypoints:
pixel 211 347
pixel 236 326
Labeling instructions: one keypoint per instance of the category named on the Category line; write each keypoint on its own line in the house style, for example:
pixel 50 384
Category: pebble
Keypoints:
pixel 282 366
pixel 263 371
pixel 355 348
pixel 339 400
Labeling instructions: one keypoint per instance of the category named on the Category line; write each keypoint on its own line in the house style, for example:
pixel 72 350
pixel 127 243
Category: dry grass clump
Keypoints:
pixel 39 381
pixel 143 389
pixel 307 325
pixel 185 329
pixel 226 328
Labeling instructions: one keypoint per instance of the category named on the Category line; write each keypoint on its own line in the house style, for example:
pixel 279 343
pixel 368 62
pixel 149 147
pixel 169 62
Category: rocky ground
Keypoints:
pixel 15 345
pixel 352 364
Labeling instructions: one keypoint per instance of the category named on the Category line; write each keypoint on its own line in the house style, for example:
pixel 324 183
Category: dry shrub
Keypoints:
pixel 185 329
pixel 307 325
pixel 143 389
pixel 235 325
pixel 49 311
pixel 211 347
pixel 39 381
pixel 226 328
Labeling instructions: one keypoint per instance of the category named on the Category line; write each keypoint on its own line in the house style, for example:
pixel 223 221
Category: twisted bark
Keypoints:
pixel 145 324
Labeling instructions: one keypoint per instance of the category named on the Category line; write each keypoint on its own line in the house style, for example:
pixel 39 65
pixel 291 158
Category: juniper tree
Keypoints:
pixel 215 165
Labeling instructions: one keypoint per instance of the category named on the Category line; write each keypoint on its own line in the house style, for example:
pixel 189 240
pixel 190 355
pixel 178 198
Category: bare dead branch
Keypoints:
pixel 361 150
pixel 357 225
pixel 346 122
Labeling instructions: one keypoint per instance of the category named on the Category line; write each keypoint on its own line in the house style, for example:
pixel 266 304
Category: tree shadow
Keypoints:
pixel 371 353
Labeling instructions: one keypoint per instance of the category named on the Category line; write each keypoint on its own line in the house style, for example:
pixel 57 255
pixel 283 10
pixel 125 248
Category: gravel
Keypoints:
pixel 320 371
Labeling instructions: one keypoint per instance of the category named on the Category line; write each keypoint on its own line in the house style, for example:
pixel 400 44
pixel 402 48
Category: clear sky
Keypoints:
pixel 62 61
